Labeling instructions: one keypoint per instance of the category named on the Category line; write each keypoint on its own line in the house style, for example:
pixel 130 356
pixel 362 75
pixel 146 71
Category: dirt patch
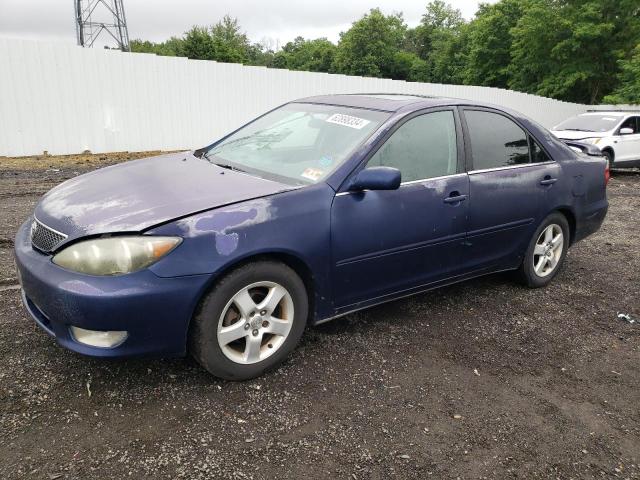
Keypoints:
pixel 483 379
pixel 82 160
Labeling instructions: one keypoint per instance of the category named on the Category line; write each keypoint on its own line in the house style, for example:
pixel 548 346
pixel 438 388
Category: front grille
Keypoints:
pixel 44 238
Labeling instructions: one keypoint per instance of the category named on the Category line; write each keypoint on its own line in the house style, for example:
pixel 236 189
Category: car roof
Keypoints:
pixel 388 102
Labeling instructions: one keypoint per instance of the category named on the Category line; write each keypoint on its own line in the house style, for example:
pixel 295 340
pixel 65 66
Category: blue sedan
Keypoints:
pixel 321 207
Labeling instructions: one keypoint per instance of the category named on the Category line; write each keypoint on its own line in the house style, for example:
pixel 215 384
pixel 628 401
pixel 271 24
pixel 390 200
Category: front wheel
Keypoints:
pixel 608 155
pixel 250 321
pixel 546 252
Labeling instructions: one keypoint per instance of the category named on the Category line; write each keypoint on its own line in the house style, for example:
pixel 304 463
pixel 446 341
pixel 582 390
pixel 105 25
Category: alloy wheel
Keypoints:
pixel 548 250
pixel 255 322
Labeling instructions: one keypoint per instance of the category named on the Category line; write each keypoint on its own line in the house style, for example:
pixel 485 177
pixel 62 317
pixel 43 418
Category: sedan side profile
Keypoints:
pixel 321 207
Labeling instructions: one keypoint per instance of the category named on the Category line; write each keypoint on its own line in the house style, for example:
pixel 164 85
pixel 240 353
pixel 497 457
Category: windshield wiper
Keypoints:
pixel 260 141
pixel 228 166
pixel 578 130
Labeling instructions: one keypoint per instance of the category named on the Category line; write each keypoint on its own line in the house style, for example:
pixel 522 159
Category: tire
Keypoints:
pixel 538 268
pixel 239 332
pixel 608 154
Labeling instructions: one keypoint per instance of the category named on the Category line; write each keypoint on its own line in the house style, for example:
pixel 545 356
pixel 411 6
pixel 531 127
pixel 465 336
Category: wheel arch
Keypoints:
pixel 571 220
pixel 610 149
pixel 289 259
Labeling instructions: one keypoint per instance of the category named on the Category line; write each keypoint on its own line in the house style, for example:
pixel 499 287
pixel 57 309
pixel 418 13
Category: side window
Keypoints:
pixel 496 141
pixel 537 154
pixel 630 123
pixel 423 147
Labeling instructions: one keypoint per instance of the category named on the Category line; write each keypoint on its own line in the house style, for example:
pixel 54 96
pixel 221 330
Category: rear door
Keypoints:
pixel 385 242
pixel 510 176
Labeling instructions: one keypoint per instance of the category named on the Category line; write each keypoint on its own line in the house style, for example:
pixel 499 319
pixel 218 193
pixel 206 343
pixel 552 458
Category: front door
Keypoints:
pixel 628 147
pixel 510 177
pixel 385 242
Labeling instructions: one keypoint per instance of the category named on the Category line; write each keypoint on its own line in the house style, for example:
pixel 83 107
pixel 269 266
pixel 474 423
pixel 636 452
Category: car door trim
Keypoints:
pixel 341 311
pixel 510 167
pixel 412 182
pixel 402 249
pixel 497 228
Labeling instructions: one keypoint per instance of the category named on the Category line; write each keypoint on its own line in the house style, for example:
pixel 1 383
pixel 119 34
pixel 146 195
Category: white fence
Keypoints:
pixel 64 99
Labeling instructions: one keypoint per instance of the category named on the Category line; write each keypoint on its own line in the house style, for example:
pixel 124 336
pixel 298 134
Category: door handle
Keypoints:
pixel 455 197
pixel 548 180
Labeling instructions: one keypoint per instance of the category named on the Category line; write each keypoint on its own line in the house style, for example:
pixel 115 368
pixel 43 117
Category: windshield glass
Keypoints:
pixel 590 123
pixel 298 143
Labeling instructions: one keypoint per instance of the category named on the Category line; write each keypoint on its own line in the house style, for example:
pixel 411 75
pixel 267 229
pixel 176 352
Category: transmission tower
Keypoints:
pixel 93 17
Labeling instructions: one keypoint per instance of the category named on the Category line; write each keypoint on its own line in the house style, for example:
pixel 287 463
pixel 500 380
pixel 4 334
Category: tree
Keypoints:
pixel 309 55
pixel 450 55
pixel 628 90
pixel 570 49
pixel 434 39
pixel 197 44
pixel 169 48
pixel 408 66
pixel 223 42
pixel 490 43
pixel 439 17
pixel 229 43
pixel 534 36
pixel 370 47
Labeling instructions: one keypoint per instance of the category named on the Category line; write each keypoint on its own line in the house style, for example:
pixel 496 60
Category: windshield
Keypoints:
pixel 590 123
pixel 298 143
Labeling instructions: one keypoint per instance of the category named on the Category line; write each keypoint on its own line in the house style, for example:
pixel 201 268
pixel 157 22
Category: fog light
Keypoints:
pixel 96 338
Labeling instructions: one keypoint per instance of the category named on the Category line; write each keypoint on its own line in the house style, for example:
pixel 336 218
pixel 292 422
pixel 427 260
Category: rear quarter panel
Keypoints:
pixel 587 197
pixel 581 187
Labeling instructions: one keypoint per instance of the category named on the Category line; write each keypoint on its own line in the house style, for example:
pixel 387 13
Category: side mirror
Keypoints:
pixel 626 131
pixel 376 178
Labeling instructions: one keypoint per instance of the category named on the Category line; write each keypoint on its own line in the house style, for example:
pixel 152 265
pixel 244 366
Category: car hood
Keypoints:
pixel 136 195
pixel 575 135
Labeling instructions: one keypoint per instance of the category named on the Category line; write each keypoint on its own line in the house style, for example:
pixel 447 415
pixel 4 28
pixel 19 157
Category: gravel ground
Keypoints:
pixel 484 379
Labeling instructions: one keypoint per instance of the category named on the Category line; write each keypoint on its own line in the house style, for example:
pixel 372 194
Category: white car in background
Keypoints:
pixel 616 134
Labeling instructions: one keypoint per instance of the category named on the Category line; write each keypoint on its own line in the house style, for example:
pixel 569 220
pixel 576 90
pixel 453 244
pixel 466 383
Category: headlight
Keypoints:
pixel 593 141
pixel 115 255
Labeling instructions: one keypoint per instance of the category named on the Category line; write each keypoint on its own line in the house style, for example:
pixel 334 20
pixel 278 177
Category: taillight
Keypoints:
pixel 607 174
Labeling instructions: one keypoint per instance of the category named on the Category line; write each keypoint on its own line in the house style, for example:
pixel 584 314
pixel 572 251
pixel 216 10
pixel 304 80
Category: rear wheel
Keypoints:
pixel 546 252
pixel 250 321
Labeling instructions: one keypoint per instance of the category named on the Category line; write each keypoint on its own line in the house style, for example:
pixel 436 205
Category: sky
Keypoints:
pixel 274 22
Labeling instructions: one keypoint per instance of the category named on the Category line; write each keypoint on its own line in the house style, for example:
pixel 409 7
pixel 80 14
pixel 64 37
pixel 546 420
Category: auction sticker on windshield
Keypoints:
pixel 314 174
pixel 348 120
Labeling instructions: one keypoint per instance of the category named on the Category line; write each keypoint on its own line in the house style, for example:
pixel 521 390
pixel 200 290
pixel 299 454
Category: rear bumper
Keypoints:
pixel 592 221
pixel 154 311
